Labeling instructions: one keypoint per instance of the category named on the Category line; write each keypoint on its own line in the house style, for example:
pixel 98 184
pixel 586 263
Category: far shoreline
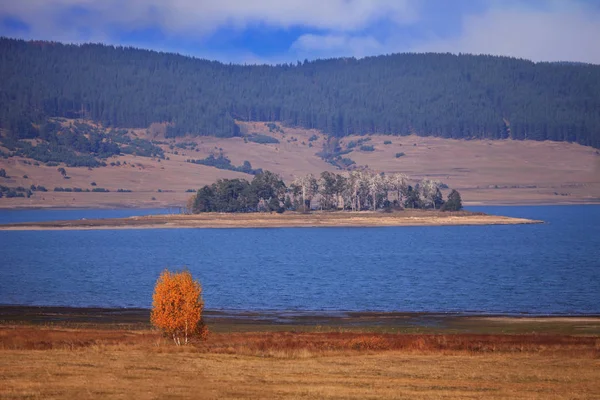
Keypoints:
pixel 130 206
pixel 313 219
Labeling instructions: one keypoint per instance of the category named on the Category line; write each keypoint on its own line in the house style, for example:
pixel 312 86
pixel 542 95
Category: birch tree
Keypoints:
pixel 358 188
pixel 349 191
pixel 375 186
pixel 430 191
pixel 399 184
pixel 177 306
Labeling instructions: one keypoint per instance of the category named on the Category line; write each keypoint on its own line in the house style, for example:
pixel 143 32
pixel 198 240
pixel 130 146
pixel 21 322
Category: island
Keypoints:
pixel 276 220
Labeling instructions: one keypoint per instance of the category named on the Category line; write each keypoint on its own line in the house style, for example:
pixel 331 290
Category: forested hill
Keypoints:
pixel 444 95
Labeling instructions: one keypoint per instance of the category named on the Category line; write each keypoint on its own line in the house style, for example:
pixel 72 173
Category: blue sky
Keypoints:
pixel 276 31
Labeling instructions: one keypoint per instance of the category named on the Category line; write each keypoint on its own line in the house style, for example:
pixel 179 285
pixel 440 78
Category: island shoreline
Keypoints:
pixel 132 206
pixel 345 219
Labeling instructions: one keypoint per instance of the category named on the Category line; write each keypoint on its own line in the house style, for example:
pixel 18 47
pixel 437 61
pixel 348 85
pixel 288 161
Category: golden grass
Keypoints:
pixel 91 363
pixel 178 373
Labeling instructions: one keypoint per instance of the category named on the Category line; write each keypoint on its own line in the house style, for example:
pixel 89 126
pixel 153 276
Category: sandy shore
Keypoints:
pixel 273 220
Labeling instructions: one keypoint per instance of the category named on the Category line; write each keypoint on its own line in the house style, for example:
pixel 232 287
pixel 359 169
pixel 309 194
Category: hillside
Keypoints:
pixel 484 171
pixel 440 95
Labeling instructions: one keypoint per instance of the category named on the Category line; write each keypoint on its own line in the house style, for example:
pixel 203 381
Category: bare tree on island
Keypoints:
pixel 398 182
pixel 376 186
pixel 431 193
pixel 308 188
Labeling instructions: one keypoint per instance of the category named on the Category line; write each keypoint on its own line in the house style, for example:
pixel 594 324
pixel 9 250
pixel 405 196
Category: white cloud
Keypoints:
pixel 565 32
pixel 560 30
pixel 200 17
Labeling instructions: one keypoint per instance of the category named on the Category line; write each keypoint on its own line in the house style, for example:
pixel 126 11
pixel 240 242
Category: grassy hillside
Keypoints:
pixel 141 128
pixel 484 171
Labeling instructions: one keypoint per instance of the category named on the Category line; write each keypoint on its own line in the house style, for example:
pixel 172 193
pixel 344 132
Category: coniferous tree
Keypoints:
pixel 452 96
pixel 454 202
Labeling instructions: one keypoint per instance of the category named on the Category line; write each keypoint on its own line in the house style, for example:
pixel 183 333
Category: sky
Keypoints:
pixel 283 31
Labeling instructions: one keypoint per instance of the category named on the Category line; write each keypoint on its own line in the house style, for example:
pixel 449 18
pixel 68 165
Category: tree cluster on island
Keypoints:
pixel 355 191
pixel 452 96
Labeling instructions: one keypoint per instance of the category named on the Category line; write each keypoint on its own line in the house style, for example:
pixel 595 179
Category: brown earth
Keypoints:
pixel 274 220
pixel 485 172
pixel 59 362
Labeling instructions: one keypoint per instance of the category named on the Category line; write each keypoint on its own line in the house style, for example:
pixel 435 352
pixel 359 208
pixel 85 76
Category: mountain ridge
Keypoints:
pixel 428 94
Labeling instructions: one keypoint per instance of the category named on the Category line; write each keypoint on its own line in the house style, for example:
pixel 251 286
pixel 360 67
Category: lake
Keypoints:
pixel 552 268
pixel 39 215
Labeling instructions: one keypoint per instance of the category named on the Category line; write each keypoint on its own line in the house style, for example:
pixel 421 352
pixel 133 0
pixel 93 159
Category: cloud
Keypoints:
pixel 562 32
pixel 69 18
pixel 545 30
pixel 335 45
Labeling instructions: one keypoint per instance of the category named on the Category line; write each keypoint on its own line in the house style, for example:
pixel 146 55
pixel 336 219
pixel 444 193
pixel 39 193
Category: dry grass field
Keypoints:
pixel 505 171
pixel 485 172
pixel 46 362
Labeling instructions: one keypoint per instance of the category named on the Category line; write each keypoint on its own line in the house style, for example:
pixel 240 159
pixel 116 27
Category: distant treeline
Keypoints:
pixel 220 161
pixel 359 190
pixel 80 190
pixel 454 96
pixel 10 192
pixel 76 144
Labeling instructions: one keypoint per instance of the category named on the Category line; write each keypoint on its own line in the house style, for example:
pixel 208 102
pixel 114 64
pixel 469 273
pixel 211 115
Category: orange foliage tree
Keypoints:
pixel 177 306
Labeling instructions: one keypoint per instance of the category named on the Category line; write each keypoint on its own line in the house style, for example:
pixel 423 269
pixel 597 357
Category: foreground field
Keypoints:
pixel 485 172
pixel 39 362
pixel 274 220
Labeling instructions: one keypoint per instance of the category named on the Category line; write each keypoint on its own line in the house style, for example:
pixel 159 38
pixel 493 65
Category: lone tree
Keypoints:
pixel 177 306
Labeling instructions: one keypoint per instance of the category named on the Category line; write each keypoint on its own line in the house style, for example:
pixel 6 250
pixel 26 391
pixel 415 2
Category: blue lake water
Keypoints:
pixel 38 215
pixel 552 268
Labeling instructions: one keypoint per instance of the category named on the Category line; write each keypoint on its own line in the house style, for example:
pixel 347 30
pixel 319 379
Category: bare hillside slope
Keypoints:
pixel 485 172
